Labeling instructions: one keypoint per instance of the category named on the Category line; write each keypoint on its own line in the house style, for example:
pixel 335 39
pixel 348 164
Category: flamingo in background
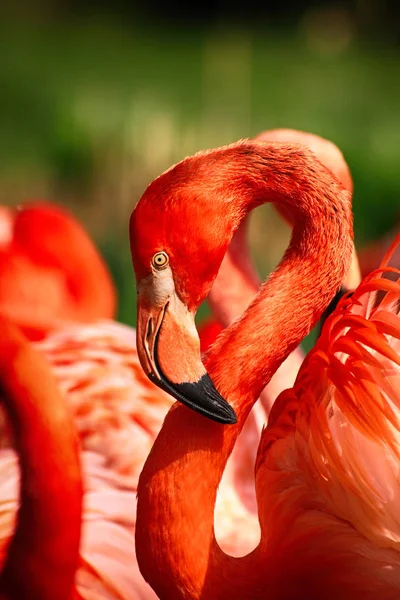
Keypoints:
pixel 41 559
pixel 326 473
pixel 51 272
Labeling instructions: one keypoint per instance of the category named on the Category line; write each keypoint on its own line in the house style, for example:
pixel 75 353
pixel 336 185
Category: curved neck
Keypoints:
pixel 43 553
pixel 176 546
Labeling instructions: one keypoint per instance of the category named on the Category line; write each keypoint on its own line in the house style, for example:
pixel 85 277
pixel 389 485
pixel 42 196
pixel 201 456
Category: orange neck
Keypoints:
pixel 176 546
pixel 43 554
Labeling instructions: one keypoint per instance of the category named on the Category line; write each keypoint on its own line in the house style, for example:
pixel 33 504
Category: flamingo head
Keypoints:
pixel 50 270
pixel 179 234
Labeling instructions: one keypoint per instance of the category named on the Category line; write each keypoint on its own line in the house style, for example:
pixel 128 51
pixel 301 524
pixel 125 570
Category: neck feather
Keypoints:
pixel 43 554
pixel 176 545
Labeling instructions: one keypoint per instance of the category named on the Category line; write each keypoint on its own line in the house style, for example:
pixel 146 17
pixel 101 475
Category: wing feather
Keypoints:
pixel 348 418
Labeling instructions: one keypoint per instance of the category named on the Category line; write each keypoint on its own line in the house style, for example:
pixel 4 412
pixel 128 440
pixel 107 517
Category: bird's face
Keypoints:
pixel 177 247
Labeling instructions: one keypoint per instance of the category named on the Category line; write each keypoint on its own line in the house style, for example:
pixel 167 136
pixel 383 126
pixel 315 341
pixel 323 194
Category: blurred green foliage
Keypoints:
pixel 91 111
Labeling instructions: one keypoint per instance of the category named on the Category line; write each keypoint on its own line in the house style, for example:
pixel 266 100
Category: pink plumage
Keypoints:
pixel 118 413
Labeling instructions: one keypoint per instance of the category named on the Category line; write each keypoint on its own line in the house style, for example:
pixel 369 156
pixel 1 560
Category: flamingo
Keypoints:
pixel 42 556
pixel 327 467
pixel 51 272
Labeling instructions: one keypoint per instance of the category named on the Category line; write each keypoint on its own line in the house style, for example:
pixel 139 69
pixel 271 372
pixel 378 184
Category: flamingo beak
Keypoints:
pixel 169 351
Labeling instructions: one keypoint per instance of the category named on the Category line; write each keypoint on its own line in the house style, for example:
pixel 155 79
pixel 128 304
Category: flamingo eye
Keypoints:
pixel 160 260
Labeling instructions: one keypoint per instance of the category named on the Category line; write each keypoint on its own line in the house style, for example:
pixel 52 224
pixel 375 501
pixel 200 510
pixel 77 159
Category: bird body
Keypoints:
pixel 106 566
pixel 334 444
pixel 118 412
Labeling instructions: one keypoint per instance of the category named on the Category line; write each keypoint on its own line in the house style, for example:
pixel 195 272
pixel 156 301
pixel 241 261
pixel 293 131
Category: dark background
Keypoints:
pixel 96 99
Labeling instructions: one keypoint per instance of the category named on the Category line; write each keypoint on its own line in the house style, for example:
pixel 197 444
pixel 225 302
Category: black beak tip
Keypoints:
pixel 224 413
pixel 202 397
pixel 231 419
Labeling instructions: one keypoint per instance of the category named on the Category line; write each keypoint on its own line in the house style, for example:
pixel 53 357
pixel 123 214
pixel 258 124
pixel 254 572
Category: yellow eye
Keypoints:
pixel 160 260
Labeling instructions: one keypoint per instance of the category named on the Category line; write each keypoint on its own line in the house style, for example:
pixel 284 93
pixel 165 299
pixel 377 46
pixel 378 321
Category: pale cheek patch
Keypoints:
pixel 158 287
